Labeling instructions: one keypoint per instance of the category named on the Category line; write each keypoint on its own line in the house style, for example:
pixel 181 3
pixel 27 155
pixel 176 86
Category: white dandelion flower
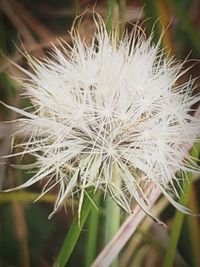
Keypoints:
pixel 109 115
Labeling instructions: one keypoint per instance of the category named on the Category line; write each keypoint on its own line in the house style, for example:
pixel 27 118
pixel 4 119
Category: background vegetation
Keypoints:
pixel 27 237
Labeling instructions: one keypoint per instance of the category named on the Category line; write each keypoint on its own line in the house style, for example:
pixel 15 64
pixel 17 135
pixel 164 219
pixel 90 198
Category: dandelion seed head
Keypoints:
pixel 111 115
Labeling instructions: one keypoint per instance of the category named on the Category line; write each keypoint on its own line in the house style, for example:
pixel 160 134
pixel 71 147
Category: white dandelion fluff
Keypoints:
pixel 108 115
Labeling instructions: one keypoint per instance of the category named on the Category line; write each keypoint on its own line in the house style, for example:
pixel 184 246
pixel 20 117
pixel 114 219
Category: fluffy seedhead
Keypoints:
pixel 109 115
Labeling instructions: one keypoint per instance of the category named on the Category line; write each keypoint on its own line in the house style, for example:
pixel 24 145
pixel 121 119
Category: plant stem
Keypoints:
pixel 24 196
pixel 123 234
pixel 92 234
pixel 110 13
pixel 73 235
pixel 112 224
pixel 122 8
pixel 112 216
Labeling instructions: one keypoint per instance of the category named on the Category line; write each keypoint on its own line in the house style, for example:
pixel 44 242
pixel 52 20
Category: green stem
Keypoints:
pixel 110 13
pixel 122 8
pixel 112 210
pixel 112 222
pixel 179 217
pixel 92 234
pixel 73 235
pixel 24 196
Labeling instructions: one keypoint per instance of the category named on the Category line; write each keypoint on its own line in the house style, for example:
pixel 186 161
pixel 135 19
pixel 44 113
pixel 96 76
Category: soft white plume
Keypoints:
pixel 109 115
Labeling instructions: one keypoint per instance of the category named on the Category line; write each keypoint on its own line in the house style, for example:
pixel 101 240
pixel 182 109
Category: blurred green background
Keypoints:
pixel 27 237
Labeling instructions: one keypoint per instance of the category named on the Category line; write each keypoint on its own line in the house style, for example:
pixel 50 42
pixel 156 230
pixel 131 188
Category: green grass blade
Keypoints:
pixel 73 235
pixel 179 217
pixel 194 230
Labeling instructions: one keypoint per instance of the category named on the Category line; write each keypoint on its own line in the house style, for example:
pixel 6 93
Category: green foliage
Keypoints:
pixel 83 240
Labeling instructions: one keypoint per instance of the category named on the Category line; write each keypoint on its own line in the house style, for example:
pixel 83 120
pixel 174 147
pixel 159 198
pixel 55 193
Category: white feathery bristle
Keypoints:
pixel 104 108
